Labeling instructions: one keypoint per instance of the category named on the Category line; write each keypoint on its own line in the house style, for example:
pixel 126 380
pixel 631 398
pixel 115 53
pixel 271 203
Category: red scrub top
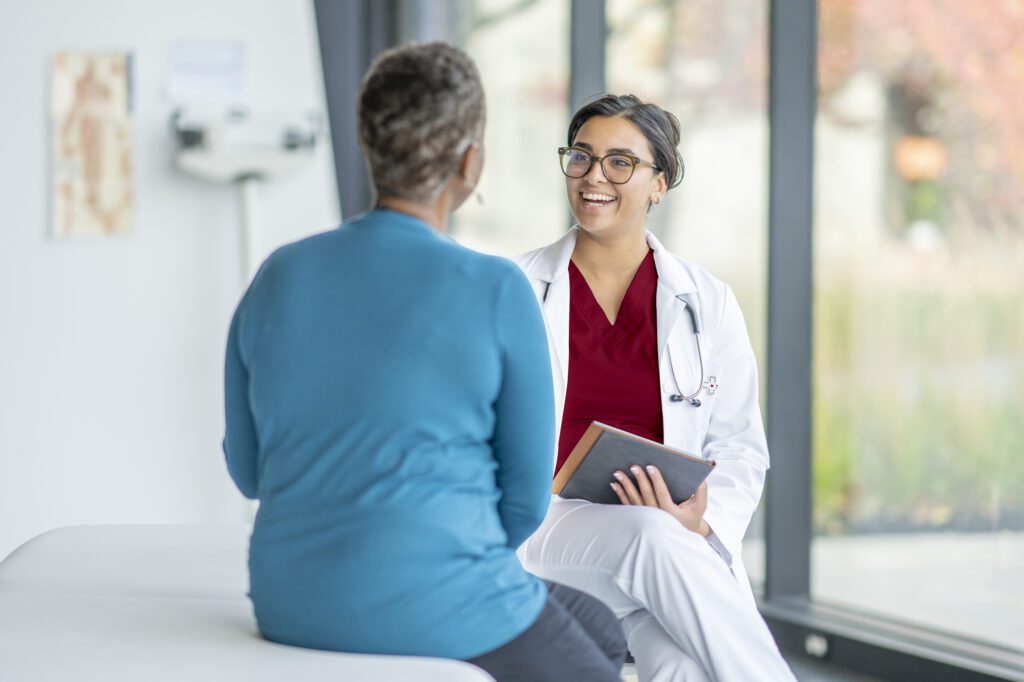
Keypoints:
pixel 613 369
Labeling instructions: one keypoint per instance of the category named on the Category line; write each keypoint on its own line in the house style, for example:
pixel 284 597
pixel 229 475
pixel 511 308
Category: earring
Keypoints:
pixel 475 189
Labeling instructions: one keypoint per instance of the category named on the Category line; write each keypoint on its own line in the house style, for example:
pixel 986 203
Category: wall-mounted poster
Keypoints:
pixel 92 144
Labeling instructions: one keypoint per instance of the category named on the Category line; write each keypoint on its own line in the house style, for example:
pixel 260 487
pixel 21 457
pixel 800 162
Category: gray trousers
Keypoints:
pixel 576 637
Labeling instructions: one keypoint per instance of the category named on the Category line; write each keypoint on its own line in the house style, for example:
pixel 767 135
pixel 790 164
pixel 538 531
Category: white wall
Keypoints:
pixel 111 349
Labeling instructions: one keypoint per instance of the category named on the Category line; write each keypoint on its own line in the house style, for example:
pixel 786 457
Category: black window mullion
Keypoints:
pixel 587 33
pixel 792 105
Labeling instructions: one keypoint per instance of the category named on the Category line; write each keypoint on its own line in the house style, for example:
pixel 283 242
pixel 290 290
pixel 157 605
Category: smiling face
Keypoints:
pixel 604 208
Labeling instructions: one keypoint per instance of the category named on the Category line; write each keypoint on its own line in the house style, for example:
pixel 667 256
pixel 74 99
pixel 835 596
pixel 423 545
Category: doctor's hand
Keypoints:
pixel 650 490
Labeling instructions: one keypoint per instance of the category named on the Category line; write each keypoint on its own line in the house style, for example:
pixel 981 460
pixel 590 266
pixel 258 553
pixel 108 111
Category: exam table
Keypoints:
pixel 161 603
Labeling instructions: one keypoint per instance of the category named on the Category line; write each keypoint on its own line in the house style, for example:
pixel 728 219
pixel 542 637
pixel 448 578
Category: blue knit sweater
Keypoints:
pixel 389 402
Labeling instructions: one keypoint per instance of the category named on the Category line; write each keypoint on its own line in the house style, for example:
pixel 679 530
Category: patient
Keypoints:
pixel 389 402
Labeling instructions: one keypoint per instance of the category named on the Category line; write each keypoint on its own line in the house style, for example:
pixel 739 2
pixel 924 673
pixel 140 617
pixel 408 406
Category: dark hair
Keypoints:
pixel 660 128
pixel 419 107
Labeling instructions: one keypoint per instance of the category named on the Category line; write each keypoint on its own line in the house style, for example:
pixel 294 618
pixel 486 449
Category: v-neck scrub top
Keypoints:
pixel 613 368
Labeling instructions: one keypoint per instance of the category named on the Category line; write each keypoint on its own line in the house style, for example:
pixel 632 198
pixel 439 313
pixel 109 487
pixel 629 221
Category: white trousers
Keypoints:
pixel 683 612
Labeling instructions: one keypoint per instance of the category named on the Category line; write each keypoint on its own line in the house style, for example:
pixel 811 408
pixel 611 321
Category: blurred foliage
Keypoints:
pixel 918 410
pixel 924 201
pixel 959 66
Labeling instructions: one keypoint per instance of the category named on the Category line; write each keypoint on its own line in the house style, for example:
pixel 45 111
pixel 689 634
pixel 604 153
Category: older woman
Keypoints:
pixel 388 401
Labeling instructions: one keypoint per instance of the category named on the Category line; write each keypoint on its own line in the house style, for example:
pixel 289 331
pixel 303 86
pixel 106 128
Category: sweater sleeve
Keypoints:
pixel 240 441
pixel 524 428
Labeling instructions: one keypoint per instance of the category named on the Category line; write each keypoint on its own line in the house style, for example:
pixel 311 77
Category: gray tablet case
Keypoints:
pixel 587 473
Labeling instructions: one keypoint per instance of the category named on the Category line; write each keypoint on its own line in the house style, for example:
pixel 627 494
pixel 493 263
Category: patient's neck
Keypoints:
pixel 434 213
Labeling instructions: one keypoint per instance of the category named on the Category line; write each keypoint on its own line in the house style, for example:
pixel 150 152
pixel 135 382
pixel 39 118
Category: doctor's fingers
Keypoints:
pixel 620 493
pixel 644 483
pixel 629 488
pixel 661 493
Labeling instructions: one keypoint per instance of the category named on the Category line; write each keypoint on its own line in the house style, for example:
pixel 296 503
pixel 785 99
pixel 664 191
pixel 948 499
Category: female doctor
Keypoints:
pixel 650 343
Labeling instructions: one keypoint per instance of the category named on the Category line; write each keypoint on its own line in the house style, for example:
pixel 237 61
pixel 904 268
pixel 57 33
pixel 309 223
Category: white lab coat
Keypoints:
pixel 726 428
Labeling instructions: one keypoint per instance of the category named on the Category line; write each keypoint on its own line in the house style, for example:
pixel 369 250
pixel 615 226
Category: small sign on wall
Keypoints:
pixel 211 72
pixel 91 143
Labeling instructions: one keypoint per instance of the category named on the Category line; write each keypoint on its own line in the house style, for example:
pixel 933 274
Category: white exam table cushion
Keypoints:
pixel 160 603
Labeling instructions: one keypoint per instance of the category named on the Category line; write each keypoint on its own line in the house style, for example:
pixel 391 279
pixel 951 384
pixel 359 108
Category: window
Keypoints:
pixel 522 50
pixel 919 315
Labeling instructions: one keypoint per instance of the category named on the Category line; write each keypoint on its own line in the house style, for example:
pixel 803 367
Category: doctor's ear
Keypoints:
pixel 660 186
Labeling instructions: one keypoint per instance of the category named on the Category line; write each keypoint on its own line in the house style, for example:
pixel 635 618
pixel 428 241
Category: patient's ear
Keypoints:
pixel 471 163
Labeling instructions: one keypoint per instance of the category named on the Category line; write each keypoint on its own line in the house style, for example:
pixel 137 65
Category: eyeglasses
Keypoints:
pixel 617 168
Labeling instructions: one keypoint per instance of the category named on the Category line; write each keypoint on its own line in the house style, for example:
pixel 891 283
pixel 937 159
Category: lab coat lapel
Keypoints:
pixel 673 281
pixel 669 310
pixel 556 312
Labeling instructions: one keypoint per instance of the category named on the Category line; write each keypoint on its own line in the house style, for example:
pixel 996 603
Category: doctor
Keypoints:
pixel 650 343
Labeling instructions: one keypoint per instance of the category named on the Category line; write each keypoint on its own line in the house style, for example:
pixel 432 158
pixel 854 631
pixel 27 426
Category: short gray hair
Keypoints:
pixel 420 106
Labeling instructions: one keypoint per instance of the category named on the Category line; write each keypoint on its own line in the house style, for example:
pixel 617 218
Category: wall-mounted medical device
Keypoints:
pixel 233 146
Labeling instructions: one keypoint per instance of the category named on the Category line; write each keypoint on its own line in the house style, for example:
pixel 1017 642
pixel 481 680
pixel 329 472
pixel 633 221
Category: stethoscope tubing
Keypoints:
pixel 692 398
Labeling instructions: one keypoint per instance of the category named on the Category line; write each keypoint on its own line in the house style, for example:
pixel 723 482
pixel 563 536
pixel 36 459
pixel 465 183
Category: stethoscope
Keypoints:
pixel 689 303
pixel 691 308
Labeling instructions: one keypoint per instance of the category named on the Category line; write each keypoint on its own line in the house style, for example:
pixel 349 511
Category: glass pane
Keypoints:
pixel 522 50
pixel 919 314
pixel 706 62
